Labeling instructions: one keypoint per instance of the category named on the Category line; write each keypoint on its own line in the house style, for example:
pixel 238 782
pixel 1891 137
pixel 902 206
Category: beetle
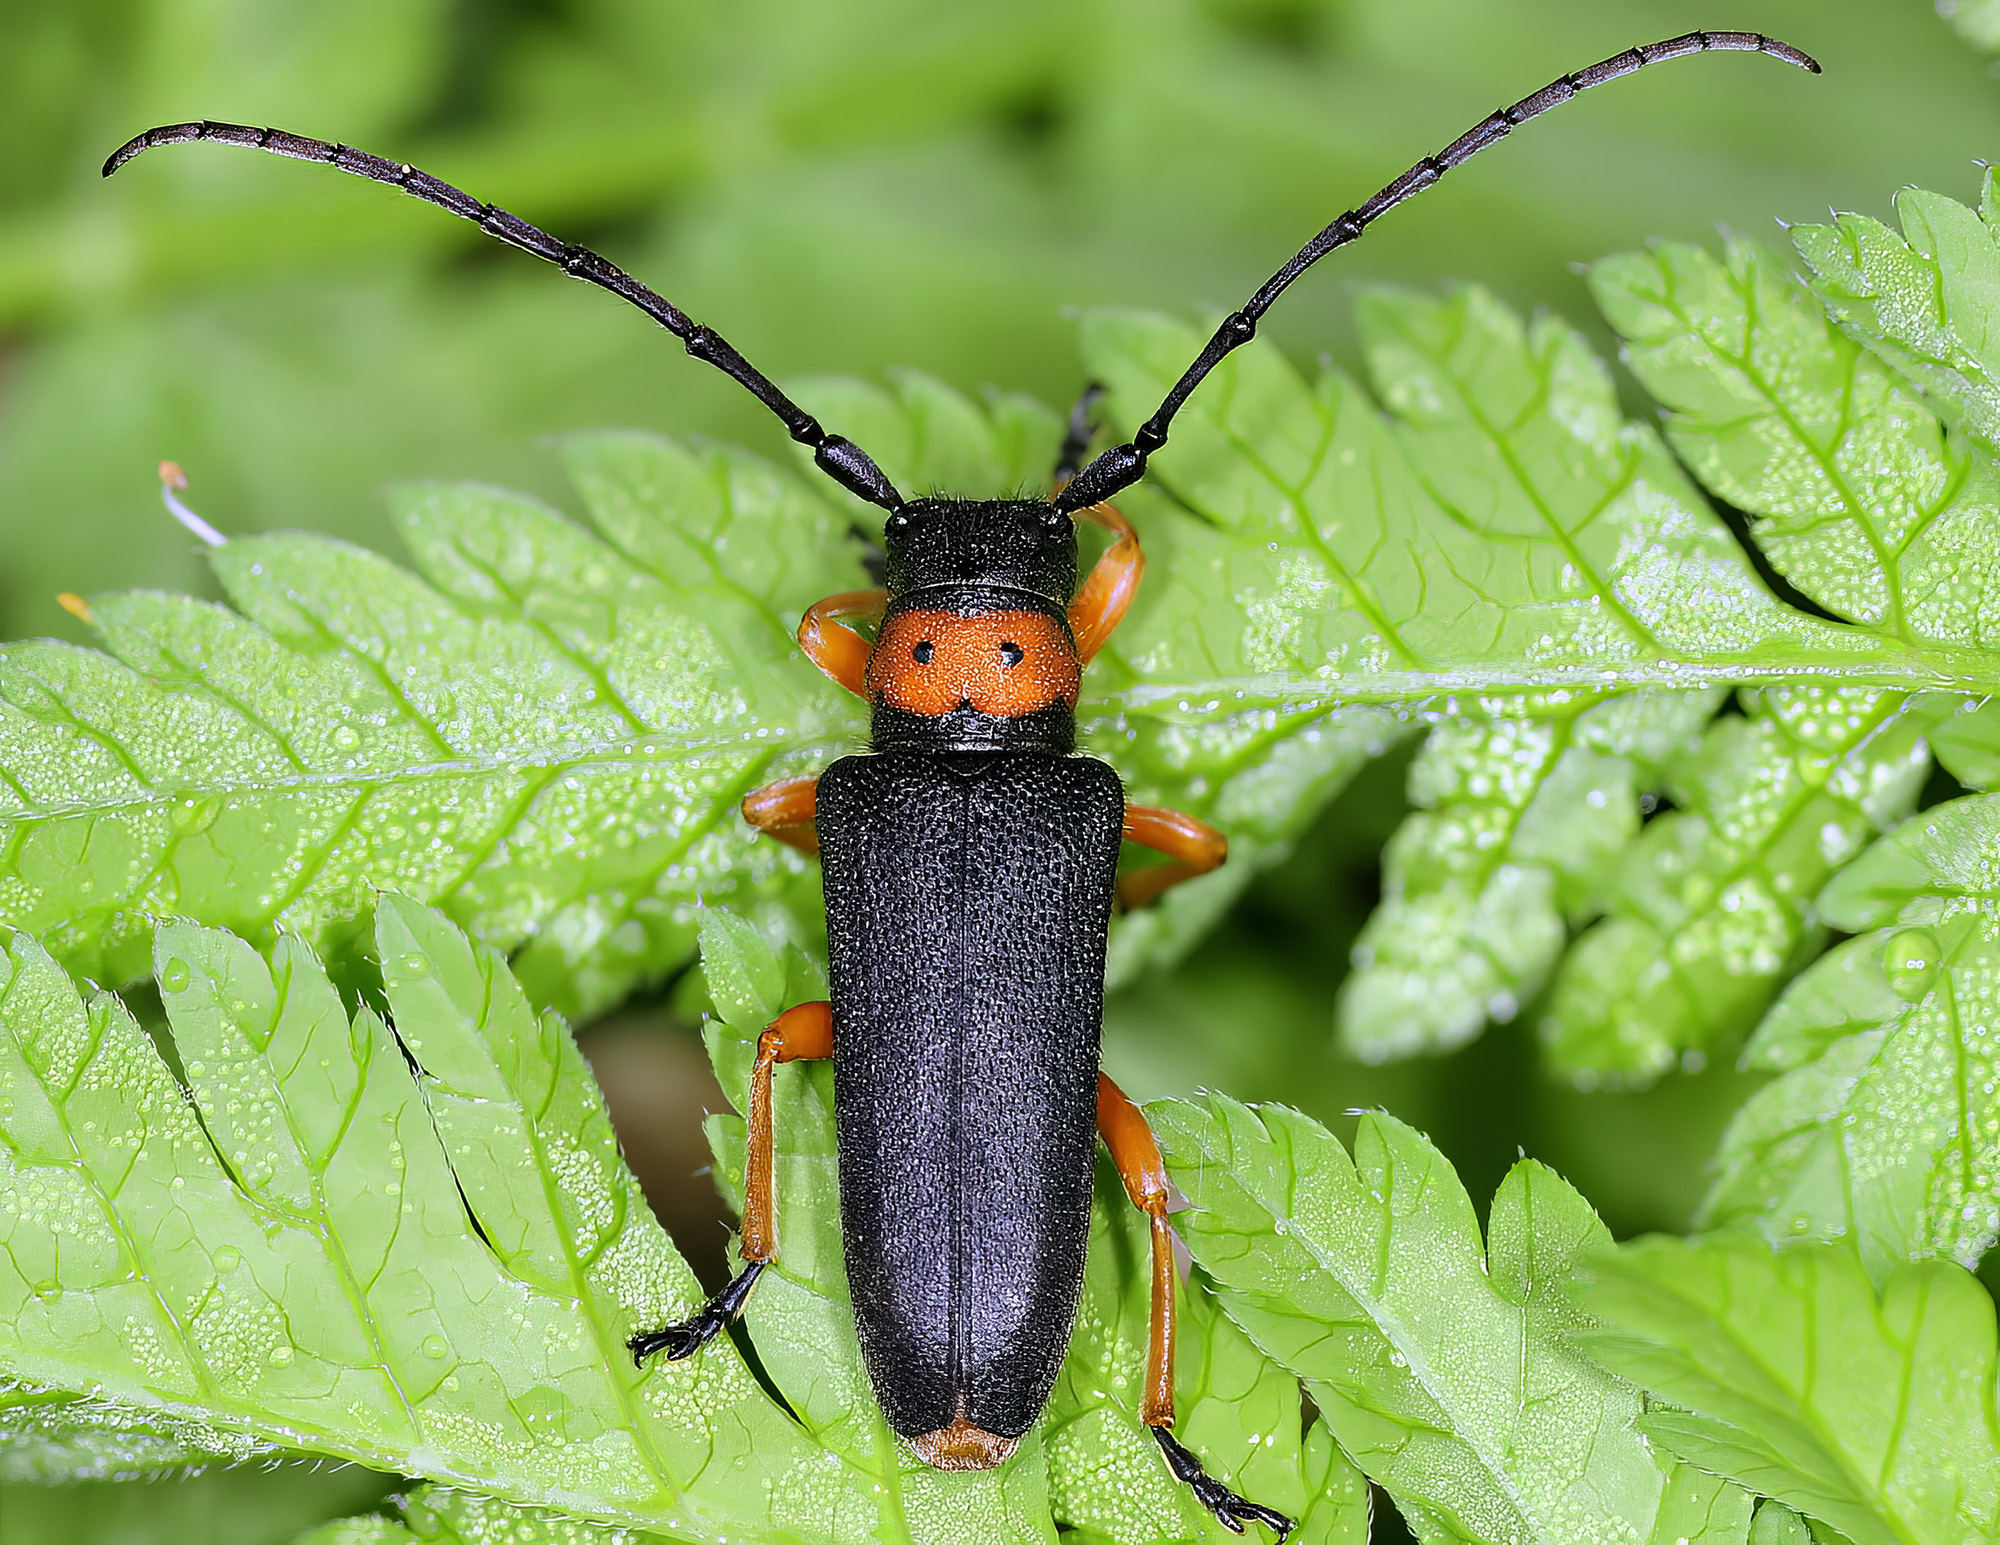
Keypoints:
pixel 970 867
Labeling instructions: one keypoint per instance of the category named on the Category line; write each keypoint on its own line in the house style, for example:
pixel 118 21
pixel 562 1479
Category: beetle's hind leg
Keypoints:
pixel 1123 1128
pixel 801 1034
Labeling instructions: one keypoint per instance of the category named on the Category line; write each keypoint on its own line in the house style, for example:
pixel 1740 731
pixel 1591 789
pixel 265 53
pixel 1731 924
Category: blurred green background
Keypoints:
pixel 852 187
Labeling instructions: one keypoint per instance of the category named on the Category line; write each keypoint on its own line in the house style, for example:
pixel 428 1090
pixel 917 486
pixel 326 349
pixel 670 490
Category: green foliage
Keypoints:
pixel 1789 1373
pixel 1441 1366
pixel 543 733
pixel 436 1274
pixel 247 1231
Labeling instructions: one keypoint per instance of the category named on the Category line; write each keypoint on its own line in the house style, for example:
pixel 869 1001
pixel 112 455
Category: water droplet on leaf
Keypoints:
pixel 1909 962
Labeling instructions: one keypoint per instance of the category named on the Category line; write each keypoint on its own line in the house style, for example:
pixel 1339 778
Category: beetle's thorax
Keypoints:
pixel 975 651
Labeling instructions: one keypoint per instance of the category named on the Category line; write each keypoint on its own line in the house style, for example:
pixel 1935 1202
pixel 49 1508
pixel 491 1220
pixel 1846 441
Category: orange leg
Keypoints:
pixel 785 810
pixel 804 1033
pixel 1102 602
pixel 841 652
pixel 1194 846
pixel 1123 1128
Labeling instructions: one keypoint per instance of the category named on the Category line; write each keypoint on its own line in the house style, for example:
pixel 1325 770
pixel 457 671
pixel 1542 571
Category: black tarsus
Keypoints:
pixel 1123 465
pixel 1230 1510
pixel 846 463
pixel 1076 440
pixel 686 1337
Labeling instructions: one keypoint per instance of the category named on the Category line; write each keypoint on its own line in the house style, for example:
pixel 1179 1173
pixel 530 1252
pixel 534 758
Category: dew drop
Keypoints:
pixel 228 1258
pixel 48 1290
pixel 435 1347
pixel 1909 962
pixel 174 975
pixel 280 1356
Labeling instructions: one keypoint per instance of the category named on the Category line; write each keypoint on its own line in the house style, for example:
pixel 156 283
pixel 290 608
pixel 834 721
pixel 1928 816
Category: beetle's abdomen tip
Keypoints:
pixel 962 1446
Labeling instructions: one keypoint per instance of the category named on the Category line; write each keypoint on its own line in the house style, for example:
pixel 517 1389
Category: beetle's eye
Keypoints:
pixel 1012 653
pixel 923 652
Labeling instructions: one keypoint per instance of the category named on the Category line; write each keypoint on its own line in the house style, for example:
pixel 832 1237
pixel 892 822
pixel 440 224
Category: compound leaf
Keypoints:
pixel 549 740
pixel 410 1242
pixel 1926 302
pixel 316 1249
pixel 1441 1365
pixel 1872 1412
pixel 1884 1127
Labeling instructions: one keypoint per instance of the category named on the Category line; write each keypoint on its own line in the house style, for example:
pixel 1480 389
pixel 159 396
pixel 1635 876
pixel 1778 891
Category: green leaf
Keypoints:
pixel 436 1515
pixel 1927 302
pixel 417 1247
pixel 1855 495
pixel 1521 824
pixel 50 1437
pixel 1506 530
pixel 1710 909
pixel 1884 1127
pixel 1790 1374
pixel 548 739
pixel 1503 527
pixel 1442 1367
pixel 316 1249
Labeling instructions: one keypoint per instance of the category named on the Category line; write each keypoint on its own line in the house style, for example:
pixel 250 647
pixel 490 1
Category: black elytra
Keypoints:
pixel 970 864
pixel 968 896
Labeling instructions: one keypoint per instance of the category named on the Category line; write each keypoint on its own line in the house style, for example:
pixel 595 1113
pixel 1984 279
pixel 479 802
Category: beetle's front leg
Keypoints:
pixel 841 652
pixel 1104 597
pixel 804 1033
pixel 1194 846
pixel 1123 1127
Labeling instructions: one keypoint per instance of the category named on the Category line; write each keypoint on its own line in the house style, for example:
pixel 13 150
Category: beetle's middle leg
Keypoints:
pixel 1123 1127
pixel 786 810
pixel 1194 846
pixel 800 1034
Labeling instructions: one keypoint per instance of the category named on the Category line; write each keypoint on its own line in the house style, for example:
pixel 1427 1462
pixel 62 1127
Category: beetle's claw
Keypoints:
pixel 682 1339
pixel 686 1337
pixel 1230 1510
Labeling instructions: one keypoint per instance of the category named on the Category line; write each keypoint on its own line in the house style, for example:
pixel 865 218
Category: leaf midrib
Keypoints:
pixel 556 759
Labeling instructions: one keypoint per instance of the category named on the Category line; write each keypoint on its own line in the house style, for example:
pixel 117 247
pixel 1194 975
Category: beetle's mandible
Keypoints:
pixel 970 865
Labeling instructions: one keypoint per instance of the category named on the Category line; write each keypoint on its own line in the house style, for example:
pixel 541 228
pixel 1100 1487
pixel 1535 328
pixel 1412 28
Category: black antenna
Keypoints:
pixel 1123 465
pixel 842 460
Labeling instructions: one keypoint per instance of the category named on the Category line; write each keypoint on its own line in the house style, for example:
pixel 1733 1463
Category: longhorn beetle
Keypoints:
pixel 970 870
